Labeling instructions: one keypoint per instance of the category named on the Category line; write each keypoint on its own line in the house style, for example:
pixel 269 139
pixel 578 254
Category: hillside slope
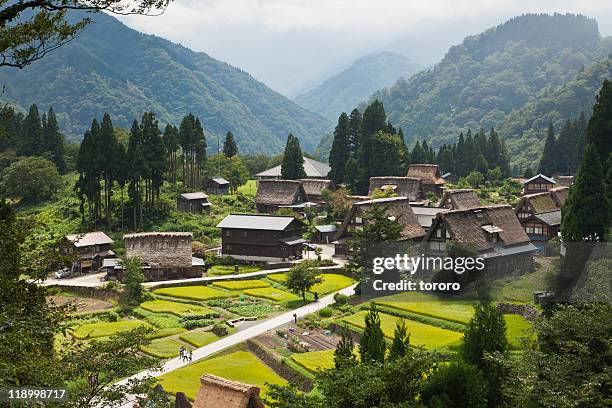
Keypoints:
pixel 355 84
pixel 112 68
pixel 488 76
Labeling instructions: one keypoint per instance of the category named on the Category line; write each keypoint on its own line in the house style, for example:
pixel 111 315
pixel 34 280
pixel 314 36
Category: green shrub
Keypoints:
pixel 113 317
pixel 220 329
pixel 326 312
pixel 200 316
pixel 340 299
pixel 194 324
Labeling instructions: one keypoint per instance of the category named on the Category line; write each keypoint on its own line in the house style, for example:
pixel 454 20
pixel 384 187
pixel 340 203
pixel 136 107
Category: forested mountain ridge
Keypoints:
pixel 481 81
pixel 353 85
pixel 112 68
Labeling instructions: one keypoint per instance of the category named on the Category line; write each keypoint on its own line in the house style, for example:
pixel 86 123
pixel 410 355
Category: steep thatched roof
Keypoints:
pixel 473 226
pixel 559 194
pixel 540 202
pixel 428 173
pixel 314 187
pixel 460 199
pixel 217 392
pixel 564 181
pixel 398 207
pixel 410 187
pixel 279 192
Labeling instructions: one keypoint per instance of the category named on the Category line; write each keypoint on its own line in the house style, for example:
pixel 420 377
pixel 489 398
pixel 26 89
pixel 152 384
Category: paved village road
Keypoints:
pixel 243 335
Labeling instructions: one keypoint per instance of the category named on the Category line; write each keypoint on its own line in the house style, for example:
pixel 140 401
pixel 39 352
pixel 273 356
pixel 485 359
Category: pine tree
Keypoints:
pixel 585 212
pixel 401 340
pixel 343 355
pixel 54 141
pixel 355 122
pixel 107 146
pixel 385 155
pixel 549 155
pixel 292 167
pixel 417 156
pixel 230 149
pixel 340 150
pixel 463 167
pixel 565 148
pixel 350 172
pixel 372 345
pixel 528 173
pixel 494 150
pixel 599 129
pixel 446 161
pixel 374 120
pixel 31 141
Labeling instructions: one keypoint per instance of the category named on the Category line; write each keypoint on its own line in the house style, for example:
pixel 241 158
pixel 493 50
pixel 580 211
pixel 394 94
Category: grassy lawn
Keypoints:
pixel 238 366
pixel 162 348
pixel 315 360
pixel 516 326
pixel 175 308
pixel 104 329
pixel 430 337
pixel 452 310
pixel 199 339
pixel 194 292
pixel 242 284
pixel 331 283
pixel 249 188
pixel 169 331
pixel 273 294
pixel 222 270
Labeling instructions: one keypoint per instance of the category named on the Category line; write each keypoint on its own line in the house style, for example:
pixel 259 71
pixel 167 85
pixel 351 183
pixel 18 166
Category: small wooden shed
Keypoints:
pixel 217 392
pixel 193 202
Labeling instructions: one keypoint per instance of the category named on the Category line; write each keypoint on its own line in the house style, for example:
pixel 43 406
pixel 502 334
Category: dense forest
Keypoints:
pixel 112 68
pixel 355 84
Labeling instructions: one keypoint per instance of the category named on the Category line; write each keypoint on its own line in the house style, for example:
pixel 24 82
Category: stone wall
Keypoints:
pixel 164 250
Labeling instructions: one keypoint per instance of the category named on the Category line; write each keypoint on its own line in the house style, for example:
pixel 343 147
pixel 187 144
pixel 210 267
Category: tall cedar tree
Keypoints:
pixel 340 149
pixel 355 121
pixel 548 162
pixel 372 344
pixel 486 334
pixel 374 120
pixel 401 340
pixel 599 130
pixel 31 138
pixel 585 212
pixel 230 149
pixel 172 144
pixel 107 155
pixel 292 167
pixel 344 356
pixel 54 141
pixel 385 154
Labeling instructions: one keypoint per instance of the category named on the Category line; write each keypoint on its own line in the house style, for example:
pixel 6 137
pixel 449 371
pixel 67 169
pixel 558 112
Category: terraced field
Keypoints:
pixel 175 308
pixel 242 284
pixel 194 292
pixel 104 329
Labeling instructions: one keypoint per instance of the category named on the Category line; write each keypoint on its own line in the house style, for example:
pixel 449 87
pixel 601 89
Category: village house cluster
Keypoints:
pixel 505 237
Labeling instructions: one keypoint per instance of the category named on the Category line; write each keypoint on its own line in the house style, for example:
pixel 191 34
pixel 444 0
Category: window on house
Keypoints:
pixel 228 233
pixel 438 233
pixel 358 220
pixel 446 234
pixel 228 247
pixel 244 234
pixel 437 245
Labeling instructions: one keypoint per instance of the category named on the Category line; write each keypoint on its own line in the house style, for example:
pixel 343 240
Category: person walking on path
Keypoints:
pixel 190 355
pixel 295 318
pixel 316 296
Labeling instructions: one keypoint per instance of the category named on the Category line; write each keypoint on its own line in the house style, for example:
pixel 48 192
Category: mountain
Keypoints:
pixel 528 123
pixel 355 84
pixel 112 68
pixel 487 77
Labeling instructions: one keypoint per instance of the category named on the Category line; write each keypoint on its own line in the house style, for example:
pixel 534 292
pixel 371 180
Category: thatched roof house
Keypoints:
pixel 564 181
pixel 459 199
pixel 429 175
pixel 312 168
pixel 217 392
pixel 273 194
pixel 396 207
pixel 410 187
pixel 165 255
pixel 559 194
pixel 538 203
pixel 493 231
pixel 314 189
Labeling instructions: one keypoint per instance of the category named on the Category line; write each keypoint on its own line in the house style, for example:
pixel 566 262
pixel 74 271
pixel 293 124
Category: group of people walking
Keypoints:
pixel 185 355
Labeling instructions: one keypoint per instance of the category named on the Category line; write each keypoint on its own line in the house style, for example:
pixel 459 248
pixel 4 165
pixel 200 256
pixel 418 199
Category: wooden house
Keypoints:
pixel 274 194
pixel 459 199
pixel 410 187
pixel 396 207
pixel 217 392
pixel 87 250
pixel 540 214
pixel 217 186
pixel 313 169
pixel 261 238
pixel 314 189
pixel 492 231
pixel 164 255
pixel 430 177
pixel 325 233
pixel 426 215
pixel 193 202
pixel 538 184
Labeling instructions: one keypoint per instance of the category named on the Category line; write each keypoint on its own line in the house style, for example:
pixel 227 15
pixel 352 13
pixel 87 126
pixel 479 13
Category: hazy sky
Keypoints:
pixel 293 44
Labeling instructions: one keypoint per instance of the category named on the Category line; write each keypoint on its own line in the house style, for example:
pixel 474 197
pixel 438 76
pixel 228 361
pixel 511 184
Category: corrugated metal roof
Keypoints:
pixel 256 222
pixel 550 218
pixel 89 239
pixel 293 240
pixel 326 228
pixel 540 175
pixel 197 261
pixel 220 180
pixel 194 196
